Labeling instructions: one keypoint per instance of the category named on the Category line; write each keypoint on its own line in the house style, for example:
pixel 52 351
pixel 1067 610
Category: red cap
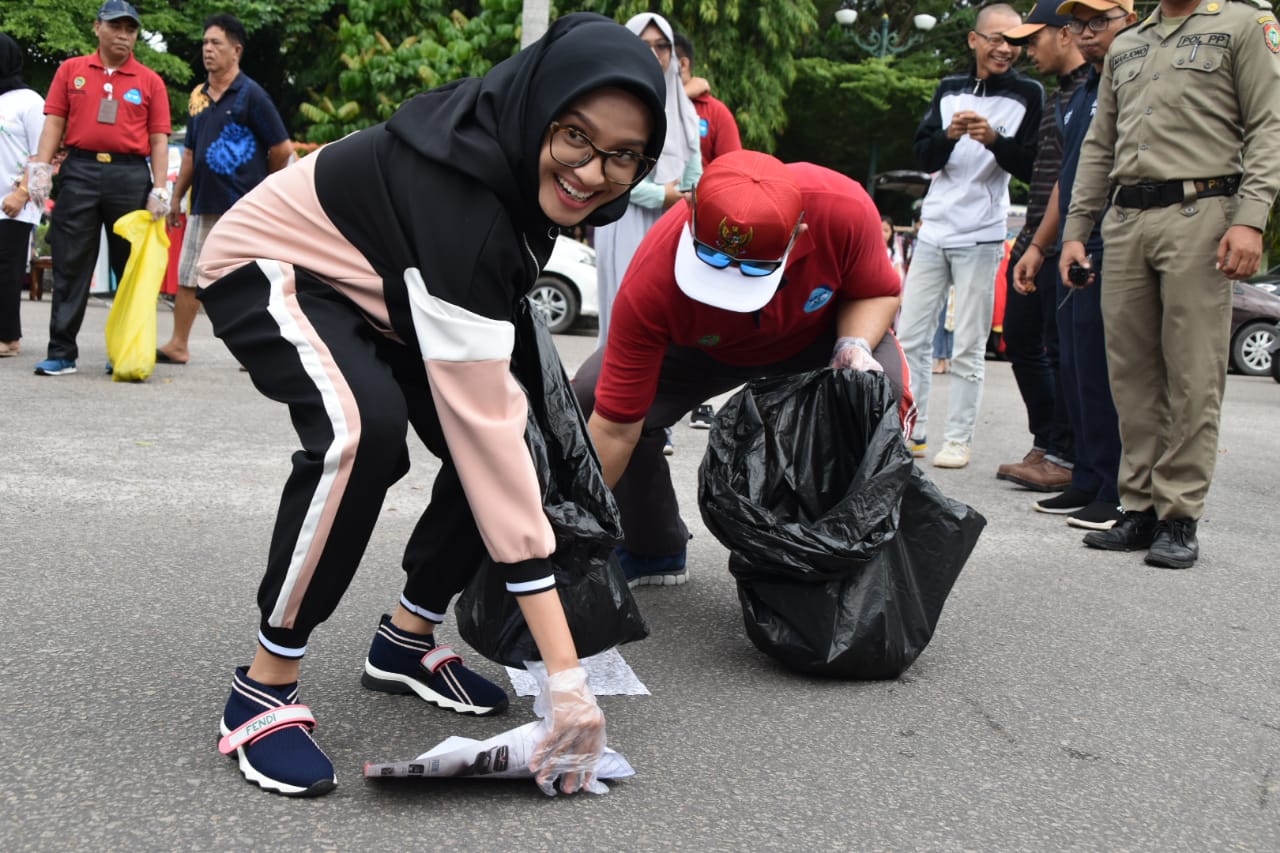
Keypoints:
pixel 748 207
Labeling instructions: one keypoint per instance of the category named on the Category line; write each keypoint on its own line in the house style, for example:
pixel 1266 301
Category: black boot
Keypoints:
pixel 1133 532
pixel 1175 545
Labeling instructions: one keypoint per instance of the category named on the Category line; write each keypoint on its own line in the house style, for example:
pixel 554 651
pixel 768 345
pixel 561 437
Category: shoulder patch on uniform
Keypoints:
pixel 1271 35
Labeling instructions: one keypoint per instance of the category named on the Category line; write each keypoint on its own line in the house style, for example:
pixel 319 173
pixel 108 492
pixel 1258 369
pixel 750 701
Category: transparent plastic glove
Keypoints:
pixel 157 207
pixel 854 353
pixel 39 182
pixel 574 739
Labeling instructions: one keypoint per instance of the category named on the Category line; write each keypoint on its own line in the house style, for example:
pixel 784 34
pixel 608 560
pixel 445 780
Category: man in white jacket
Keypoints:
pixel 980 128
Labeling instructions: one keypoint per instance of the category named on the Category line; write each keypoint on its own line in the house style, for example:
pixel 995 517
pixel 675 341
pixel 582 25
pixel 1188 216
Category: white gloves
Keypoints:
pixel 39 182
pixel 854 353
pixel 574 739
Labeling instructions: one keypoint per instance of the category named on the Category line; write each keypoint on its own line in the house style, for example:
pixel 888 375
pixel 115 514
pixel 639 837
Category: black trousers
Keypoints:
pixel 1031 344
pixel 1088 390
pixel 91 195
pixel 14 239
pixel 651 523
pixel 351 393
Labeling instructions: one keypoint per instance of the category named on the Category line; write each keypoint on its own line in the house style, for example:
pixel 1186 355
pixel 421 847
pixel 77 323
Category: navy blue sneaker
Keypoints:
pixel 400 662
pixel 55 367
pixel 269 734
pixel 652 571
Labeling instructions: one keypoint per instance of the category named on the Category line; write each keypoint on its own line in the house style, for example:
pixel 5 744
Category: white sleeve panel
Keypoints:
pixel 449 333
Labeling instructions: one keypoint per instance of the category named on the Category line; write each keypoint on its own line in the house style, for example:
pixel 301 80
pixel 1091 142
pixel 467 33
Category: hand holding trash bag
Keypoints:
pixel 575 735
pixel 854 353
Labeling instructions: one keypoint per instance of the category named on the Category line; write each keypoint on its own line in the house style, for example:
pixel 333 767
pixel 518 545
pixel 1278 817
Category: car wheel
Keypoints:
pixel 557 301
pixel 1249 349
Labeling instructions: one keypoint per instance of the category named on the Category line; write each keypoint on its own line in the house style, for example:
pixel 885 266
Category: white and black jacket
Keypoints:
pixel 968 200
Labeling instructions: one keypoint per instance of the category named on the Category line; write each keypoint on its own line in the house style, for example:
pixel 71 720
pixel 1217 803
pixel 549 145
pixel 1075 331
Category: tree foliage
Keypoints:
pixel 390 50
pixel 746 48
pixel 839 110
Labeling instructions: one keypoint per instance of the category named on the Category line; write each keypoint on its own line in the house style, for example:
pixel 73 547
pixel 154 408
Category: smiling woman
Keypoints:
pixel 388 303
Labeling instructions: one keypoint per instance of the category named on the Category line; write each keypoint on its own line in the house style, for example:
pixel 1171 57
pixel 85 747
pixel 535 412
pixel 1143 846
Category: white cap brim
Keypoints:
pixel 727 288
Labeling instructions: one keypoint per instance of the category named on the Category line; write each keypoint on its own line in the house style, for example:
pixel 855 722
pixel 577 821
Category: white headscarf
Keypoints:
pixel 682 119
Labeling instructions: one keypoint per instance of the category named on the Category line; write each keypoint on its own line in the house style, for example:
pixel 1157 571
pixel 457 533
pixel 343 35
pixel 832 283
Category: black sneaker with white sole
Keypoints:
pixel 401 662
pixel 1067 502
pixel 1098 515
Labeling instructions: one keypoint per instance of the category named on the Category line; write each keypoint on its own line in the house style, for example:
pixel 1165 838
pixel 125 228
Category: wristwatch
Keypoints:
pixel 161 193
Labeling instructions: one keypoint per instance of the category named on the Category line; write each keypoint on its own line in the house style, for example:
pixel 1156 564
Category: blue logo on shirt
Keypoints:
pixel 821 296
pixel 133 96
pixel 234 147
pixel 702 127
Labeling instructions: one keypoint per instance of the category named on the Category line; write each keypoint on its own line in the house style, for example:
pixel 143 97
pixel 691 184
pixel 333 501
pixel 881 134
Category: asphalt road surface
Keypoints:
pixel 1070 699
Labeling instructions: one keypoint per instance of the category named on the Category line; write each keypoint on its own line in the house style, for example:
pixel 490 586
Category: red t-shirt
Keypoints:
pixel 78 87
pixel 718 128
pixel 840 257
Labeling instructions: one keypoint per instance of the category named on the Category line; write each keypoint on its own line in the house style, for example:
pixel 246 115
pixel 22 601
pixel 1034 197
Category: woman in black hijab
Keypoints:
pixel 21 120
pixel 372 286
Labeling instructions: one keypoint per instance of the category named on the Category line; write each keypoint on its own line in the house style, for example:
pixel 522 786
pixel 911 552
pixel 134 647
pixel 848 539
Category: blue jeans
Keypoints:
pixel 972 270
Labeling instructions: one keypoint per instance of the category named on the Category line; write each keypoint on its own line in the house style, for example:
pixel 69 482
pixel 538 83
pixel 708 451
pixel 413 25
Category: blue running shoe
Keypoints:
pixel 652 571
pixel 55 367
pixel 400 662
pixel 269 734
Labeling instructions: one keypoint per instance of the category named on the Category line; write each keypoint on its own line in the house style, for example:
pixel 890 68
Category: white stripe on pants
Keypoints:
pixel 972 270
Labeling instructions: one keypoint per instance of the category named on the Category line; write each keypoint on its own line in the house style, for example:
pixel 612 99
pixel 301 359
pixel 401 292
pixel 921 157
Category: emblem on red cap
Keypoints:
pixel 733 240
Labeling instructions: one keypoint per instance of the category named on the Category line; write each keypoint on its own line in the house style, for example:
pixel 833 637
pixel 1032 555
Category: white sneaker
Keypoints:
pixel 954 454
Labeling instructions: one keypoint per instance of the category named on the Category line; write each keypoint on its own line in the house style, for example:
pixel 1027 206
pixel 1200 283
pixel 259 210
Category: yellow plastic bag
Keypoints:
pixel 131 325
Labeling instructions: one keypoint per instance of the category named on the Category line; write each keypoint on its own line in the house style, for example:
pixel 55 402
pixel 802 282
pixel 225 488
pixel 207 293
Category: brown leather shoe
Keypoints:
pixel 1042 476
pixel 1033 456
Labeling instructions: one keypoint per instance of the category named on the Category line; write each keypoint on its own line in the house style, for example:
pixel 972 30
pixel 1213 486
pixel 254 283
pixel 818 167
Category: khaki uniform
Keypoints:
pixel 1179 102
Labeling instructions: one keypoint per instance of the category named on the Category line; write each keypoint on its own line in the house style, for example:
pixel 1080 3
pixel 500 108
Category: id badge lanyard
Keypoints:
pixel 108 107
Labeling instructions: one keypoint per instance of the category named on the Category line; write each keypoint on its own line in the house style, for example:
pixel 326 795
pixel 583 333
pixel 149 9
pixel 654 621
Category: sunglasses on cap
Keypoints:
pixel 713 257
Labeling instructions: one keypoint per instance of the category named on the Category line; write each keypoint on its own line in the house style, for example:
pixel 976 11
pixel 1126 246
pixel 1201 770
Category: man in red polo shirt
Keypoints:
pixel 112 113
pixel 777 269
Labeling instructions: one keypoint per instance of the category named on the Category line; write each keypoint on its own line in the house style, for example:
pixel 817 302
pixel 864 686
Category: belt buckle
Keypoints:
pixel 102 157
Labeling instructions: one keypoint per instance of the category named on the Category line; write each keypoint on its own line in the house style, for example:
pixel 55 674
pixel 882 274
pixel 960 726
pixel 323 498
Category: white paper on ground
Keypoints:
pixel 607 673
pixel 504 756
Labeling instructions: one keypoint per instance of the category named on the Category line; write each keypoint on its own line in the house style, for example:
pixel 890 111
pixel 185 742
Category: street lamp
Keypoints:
pixel 881 43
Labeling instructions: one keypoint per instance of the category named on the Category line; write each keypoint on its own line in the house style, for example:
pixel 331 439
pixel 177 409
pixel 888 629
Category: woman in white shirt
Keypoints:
pixel 21 120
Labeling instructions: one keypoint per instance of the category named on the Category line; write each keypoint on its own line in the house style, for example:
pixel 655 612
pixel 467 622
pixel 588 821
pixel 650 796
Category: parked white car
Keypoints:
pixel 566 290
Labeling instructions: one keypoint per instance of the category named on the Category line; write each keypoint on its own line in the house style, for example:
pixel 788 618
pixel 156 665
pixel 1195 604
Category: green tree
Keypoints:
pixel 746 48
pixel 390 50
pixel 830 99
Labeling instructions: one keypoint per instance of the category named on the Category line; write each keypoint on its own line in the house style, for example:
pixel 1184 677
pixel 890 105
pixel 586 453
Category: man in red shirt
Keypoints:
pixel 112 113
pixel 773 269
pixel 718 129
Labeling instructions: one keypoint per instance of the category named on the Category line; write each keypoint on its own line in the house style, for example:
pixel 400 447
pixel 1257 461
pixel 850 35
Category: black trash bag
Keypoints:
pixel 843 550
pixel 597 601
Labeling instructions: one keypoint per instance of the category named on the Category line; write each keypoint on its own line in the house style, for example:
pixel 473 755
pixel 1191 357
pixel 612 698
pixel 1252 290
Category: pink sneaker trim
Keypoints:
pixel 265 723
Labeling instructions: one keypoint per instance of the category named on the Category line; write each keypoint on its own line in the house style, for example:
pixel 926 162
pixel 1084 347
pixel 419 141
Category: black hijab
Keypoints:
pixel 496 123
pixel 10 65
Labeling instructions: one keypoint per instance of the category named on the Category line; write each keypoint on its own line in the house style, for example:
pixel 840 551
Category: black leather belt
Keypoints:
pixel 104 157
pixel 1168 193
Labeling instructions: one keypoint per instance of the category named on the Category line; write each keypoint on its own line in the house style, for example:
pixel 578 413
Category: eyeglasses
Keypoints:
pixel 1097 24
pixel 659 46
pixel 713 257
pixel 573 148
pixel 996 40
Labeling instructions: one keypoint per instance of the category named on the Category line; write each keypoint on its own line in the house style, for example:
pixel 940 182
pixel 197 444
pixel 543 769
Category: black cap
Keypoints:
pixel 1045 13
pixel 113 9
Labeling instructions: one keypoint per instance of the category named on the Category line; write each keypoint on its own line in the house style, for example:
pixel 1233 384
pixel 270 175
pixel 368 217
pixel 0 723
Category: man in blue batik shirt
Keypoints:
pixel 235 138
